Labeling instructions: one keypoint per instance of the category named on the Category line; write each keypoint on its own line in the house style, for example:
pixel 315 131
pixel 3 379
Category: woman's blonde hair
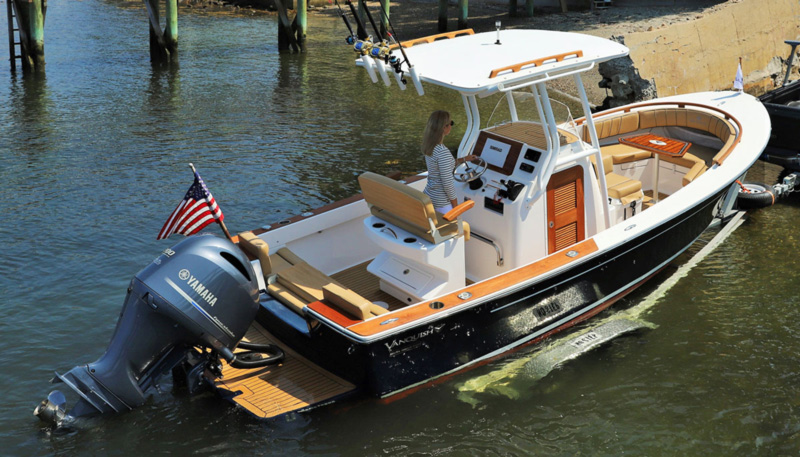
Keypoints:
pixel 434 131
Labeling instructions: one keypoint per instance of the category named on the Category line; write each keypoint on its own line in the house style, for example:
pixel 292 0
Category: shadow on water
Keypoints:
pixel 29 113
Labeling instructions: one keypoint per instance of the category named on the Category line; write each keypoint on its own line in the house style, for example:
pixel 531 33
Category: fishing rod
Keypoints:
pixel 351 39
pixel 362 31
pixel 372 21
pixel 392 60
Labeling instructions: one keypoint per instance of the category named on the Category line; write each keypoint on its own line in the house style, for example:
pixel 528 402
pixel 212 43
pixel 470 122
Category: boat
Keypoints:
pixel 380 295
pixel 783 106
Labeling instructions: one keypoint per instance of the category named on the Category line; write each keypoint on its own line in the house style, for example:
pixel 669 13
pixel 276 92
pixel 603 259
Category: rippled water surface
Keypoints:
pixel 95 156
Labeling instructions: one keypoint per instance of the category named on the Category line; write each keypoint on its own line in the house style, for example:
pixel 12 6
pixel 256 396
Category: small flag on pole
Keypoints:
pixel 738 83
pixel 194 212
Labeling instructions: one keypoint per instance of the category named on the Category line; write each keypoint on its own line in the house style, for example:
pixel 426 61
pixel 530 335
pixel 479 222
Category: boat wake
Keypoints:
pixel 538 364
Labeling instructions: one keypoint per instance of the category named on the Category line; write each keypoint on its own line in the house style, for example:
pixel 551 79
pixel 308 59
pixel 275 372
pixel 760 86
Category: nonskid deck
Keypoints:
pixel 292 385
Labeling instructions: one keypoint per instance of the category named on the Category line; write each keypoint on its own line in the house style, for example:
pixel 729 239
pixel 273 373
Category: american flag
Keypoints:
pixel 197 210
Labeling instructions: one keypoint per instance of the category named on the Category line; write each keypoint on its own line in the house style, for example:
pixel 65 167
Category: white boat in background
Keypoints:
pixel 378 293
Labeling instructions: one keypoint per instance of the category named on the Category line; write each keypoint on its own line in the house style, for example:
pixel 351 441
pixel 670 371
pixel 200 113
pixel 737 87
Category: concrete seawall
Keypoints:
pixel 703 53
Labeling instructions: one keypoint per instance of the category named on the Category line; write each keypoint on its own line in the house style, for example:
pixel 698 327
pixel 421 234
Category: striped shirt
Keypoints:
pixel 440 188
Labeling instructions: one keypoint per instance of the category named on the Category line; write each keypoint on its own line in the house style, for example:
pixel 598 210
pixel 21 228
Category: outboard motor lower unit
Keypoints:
pixel 201 293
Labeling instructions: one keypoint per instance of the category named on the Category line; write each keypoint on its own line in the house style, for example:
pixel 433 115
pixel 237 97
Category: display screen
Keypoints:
pixel 500 153
pixel 495 152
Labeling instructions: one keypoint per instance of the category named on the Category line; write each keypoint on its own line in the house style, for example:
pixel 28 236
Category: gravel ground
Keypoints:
pixel 413 19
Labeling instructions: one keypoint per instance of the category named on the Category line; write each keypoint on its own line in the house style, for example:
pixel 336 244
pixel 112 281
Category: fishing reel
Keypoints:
pixel 363 47
pixel 380 50
pixel 396 64
pixel 351 40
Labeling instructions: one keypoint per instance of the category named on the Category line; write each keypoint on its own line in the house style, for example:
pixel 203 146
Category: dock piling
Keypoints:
pixel 462 14
pixel 384 17
pixel 163 43
pixel 26 24
pixel 288 31
pixel 443 15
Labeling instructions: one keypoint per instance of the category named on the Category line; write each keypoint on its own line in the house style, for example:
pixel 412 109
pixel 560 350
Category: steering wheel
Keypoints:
pixel 470 171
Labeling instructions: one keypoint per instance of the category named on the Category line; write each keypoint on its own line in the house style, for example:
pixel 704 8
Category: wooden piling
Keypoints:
pixel 286 36
pixel 158 50
pixel 443 15
pixel 29 15
pixel 36 33
pixel 171 30
pixel 462 14
pixel 512 8
pixel 529 8
pixel 301 18
pixel 384 17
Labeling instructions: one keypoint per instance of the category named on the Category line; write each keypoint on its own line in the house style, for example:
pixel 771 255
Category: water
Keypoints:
pixel 95 156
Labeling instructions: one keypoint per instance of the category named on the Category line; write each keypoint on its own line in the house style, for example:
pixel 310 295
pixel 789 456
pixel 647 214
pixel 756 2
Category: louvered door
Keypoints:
pixel 565 217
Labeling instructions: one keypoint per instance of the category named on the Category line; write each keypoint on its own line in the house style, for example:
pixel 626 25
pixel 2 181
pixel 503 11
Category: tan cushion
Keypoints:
pixel 620 186
pixel 401 200
pixel 405 207
pixel 726 148
pixel 350 302
pixel 623 153
pixel 618 125
pixel 258 248
pixel 289 256
pixel 284 259
pixel 697 170
pixel 304 281
pixel 286 297
pixel 688 160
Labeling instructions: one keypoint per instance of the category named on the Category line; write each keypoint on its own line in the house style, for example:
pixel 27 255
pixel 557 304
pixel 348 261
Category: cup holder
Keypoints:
pixel 436 305
pixel 378 225
pixel 410 239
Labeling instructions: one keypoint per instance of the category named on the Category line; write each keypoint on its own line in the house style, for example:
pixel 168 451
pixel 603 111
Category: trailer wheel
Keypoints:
pixel 754 195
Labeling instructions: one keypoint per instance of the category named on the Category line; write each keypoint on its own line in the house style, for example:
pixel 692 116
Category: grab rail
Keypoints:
pixel 432 38
pixel 536 62
pixel 491 242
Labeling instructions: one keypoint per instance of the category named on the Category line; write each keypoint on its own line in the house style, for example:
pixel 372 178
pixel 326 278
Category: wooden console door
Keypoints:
pixel 565 215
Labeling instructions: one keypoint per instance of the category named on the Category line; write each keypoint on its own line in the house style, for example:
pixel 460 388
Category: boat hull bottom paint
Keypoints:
pixel 386 366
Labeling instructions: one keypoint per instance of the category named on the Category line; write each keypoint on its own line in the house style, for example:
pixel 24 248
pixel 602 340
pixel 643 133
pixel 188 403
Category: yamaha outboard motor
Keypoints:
pixel 202 293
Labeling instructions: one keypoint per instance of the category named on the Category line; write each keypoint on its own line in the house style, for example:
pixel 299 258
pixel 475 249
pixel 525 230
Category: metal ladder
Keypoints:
pixel 14 38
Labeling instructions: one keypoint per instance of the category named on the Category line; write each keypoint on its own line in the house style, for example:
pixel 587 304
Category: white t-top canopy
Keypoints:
pixel 475 63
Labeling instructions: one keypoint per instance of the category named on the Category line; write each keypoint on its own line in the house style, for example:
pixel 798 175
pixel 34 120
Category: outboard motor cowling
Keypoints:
pixel 200 293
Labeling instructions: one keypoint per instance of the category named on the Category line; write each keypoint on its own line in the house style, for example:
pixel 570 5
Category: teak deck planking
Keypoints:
pixel 366 284
pixel 271 391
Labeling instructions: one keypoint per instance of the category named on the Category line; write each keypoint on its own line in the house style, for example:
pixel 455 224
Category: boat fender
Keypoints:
pixel 753 195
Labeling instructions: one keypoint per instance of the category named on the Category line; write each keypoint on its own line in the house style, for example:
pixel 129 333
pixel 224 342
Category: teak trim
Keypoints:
pixel 536 62
pixel 479 290
pixel 432 38
pixel 459 210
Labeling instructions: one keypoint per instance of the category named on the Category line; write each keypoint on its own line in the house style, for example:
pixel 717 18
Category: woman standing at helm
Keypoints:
pixel 440 162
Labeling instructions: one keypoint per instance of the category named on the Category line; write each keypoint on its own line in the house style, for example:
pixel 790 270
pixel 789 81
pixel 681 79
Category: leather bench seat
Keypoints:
pixel 295 283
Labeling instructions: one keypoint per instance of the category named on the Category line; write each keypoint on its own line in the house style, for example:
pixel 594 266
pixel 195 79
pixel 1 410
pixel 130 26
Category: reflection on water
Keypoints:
pixel 94 157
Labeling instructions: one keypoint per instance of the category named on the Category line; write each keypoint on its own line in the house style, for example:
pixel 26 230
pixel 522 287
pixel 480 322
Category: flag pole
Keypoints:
pixel 219 221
